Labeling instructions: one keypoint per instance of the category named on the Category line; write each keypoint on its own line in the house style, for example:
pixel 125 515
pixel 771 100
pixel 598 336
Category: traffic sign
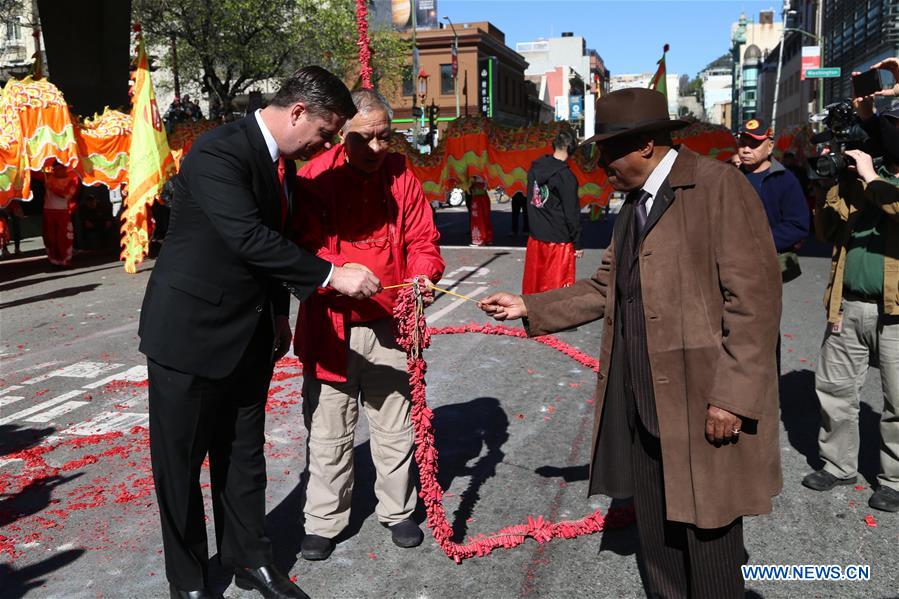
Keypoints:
pixel 823 73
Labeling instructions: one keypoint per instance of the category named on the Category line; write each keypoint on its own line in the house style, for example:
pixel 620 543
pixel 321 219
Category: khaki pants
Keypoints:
pixel 841 373
pixel 376 375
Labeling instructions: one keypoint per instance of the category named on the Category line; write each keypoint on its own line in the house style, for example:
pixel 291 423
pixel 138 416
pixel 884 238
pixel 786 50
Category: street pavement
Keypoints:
pixel 513 421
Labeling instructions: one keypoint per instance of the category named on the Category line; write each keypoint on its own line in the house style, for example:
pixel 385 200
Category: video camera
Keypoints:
pixel 842 132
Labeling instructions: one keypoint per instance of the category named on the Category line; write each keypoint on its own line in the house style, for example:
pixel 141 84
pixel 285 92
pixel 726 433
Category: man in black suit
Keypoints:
pixel 215 319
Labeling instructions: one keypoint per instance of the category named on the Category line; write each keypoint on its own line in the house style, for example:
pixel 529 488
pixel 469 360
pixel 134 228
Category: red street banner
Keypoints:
pixel 811 59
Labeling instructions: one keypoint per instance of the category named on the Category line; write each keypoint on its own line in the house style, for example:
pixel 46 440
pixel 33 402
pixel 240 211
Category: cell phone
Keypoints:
pixel 867 83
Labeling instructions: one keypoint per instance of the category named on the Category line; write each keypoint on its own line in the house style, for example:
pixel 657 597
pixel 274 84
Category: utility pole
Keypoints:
pixel 416 128
pixel 819 31
pixel 175 66
pixel 455 63
pixel 780 62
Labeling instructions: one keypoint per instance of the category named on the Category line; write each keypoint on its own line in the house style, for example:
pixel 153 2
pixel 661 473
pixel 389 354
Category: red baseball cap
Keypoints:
pixel 757 129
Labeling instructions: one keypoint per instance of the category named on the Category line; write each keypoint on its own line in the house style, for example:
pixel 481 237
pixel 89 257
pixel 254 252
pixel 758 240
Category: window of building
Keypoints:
pixel 13 31
pixel 408 81
pixel 446 80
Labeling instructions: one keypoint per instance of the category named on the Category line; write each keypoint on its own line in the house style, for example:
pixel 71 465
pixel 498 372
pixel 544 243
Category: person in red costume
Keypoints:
pixel 361 207
pixel 479 209
pixel 61 185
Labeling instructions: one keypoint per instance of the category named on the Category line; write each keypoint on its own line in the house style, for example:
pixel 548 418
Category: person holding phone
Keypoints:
pixel 860 217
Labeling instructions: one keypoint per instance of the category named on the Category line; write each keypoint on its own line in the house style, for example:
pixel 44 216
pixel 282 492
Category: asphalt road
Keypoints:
pixel 78 516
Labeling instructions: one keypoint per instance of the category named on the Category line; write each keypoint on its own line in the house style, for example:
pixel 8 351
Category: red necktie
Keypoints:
pixel 282 176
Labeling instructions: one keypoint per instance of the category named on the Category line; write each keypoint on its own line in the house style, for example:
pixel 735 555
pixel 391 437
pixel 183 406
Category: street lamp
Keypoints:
pixel 422 85
pixel 455 63
pixel 780 54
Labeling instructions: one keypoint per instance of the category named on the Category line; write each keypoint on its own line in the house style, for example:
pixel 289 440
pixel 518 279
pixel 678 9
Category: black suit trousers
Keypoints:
pixel 678 560
pixel 190 417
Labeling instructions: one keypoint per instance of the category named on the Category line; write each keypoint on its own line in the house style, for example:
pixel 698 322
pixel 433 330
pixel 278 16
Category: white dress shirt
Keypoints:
pixel 275 154
pixel 658 176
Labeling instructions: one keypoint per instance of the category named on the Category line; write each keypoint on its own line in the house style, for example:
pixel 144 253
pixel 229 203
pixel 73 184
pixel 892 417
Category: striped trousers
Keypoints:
pixel 679 560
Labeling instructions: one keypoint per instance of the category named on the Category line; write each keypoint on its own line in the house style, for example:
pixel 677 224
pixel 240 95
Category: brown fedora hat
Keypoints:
pixel 632 110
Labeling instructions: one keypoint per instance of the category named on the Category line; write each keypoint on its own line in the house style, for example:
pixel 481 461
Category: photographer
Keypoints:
pixel 860 217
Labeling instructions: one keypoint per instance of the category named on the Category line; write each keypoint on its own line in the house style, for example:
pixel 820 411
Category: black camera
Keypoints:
pixel 841 132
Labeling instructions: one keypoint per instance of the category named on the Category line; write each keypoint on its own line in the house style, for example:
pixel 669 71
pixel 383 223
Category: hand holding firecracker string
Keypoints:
pixel 413 335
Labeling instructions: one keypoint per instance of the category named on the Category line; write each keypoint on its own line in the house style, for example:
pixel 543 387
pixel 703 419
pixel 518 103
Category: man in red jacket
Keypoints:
pixel 360 207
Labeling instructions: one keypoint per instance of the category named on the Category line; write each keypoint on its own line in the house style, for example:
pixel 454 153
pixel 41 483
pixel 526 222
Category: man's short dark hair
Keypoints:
pixel 565 140
pixel 319 89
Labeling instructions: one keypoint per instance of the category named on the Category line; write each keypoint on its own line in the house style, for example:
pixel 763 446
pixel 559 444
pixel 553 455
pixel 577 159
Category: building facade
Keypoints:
pixel 857 34
pixel 717 90
pixel 796 96
pixel 568 76
pixel 20 38
pixel 489 78
pixel 750 45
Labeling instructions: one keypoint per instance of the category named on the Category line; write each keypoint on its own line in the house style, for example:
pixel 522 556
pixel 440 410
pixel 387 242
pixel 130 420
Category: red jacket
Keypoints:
pixel 321 331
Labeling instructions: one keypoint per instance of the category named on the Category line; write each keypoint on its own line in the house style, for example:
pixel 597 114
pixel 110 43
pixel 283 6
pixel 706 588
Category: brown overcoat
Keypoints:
pixel 712 301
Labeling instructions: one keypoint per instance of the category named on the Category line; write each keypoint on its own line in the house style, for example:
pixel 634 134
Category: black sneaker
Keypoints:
pixel 406 534
pixel 822 480
pixel 315 548
pixel 885 499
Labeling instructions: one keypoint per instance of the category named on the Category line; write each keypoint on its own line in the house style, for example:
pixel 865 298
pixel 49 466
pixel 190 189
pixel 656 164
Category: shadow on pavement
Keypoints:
pixel 463 433
pixel 32 498
pixel 66 292
pixel 14 439
pixel 27 282
pixel 800 414
pixel 35 262
pixel 16 583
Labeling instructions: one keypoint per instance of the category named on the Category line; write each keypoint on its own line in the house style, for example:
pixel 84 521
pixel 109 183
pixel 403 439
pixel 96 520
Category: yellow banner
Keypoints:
pixel 150 163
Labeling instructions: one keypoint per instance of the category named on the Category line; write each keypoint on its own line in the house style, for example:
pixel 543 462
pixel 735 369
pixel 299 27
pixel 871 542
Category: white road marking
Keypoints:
pixel 453 305
pixel 49 415
pixel 479 271
pixel 81 370
pixel 10 389
pixel 135 374
pixel 108 422
pixel 31 368
pixel 8 399
pixel 41 406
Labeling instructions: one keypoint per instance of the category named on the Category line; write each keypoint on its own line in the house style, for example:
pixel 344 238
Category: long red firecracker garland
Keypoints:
pixel 414 336
pixel 364 43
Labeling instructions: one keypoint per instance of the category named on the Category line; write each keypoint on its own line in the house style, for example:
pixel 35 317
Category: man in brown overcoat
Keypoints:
pixel 689 295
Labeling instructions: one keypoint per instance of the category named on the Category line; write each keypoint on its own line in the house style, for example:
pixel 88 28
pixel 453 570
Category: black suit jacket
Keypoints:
pixel 223 264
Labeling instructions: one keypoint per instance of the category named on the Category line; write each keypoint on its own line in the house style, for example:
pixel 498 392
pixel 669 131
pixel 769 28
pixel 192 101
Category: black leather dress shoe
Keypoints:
pixel 315 547
pixel 885 499
pixel 270 583
pixel 177 593
pixel 406 534
pixel 822 480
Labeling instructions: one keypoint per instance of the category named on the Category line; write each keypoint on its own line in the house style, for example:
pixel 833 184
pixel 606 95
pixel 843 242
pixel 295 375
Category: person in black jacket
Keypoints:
pixel 215 319
pixel 553 213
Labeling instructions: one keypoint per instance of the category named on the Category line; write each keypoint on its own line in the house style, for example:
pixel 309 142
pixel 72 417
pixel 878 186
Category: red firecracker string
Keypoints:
pixel 414 336
pixel 364 43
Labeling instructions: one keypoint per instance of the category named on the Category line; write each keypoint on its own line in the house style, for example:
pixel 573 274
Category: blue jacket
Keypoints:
pixel 785 205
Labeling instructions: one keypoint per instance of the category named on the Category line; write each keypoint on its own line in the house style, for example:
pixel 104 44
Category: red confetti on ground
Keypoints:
pixel 294 579
pixel 115 385
pixel 859 487
pixel 372 556
pixel 36 472
pixel 414 336
pixel 851 503
pixel 788 335
pixel 869 520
